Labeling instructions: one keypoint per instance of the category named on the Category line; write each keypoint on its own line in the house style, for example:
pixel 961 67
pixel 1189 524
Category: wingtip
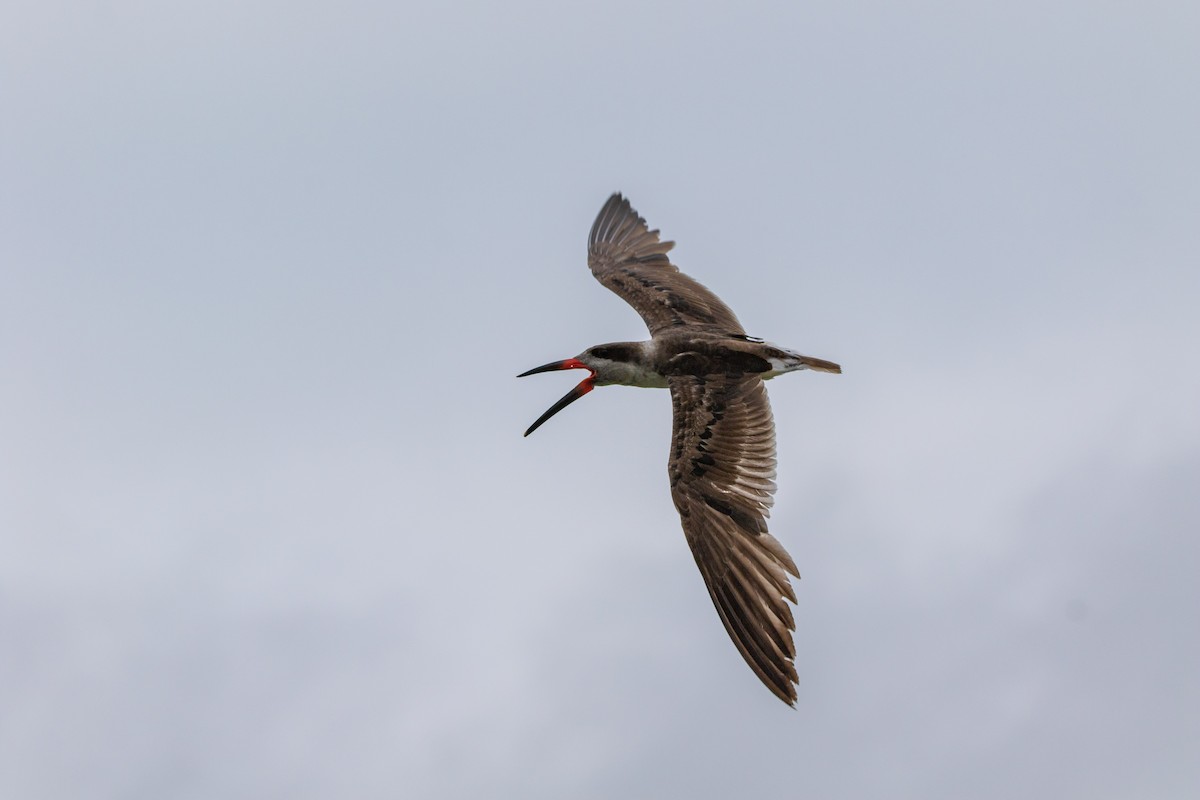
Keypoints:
pixel 788 696
pixel 622 231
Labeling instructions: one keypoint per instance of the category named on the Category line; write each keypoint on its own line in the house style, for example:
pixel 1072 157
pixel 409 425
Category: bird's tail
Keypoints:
pixel 819 364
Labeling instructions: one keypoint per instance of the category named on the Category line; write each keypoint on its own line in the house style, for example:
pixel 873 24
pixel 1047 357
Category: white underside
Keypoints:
pixel 624 374
pixel 780 367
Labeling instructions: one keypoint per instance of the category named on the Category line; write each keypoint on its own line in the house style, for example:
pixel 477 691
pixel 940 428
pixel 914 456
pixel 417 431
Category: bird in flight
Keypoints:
pixel 722 460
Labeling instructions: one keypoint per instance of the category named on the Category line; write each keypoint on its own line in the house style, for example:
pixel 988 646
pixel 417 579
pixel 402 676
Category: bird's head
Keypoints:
pixel 608 364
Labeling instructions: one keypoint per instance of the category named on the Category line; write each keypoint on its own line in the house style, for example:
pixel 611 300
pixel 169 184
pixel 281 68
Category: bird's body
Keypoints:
pixel 674 353
pixel 722 460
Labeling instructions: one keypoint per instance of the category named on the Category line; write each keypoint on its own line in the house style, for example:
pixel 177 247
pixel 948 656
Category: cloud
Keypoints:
pixel 269 525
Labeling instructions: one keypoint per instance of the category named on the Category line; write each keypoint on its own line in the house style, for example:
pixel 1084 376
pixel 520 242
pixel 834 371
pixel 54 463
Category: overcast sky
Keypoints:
pixel 268 526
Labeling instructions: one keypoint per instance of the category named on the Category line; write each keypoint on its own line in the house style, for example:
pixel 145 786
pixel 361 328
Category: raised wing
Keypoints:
pixel 722 468
pixel 628 258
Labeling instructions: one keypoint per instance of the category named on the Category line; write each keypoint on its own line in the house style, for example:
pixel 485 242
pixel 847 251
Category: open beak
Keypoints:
pixel 585 386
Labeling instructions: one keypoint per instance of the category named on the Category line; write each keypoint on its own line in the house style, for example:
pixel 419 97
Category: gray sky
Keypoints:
pixel 268 525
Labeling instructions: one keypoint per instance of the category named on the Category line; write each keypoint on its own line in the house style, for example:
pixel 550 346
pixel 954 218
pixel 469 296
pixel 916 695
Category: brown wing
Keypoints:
pixel 722 468
pixel 628 258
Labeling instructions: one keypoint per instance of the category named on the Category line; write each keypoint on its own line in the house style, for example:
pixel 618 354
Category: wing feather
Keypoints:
pixel 722 466
pixel 628 258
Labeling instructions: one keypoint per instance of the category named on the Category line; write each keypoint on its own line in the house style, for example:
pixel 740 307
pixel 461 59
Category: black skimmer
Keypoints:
pixel 722 461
